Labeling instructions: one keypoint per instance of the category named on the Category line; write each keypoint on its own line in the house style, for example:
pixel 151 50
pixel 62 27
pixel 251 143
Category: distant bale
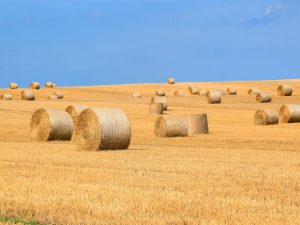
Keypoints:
pixel 197 124
pixel 171 126
pixel 6 97
pixel 285 90
pixel 252 91
pixel 266 117
pixel 13 86
pixel 289 114
pixel 171 80
pixel 52 97
pixel 160 99
pixel 179 93
pixel 160 93
pixel 102 129
pixel 222 92
pixel 49 85
pixel 28 95
pixel 59 95
pixel 156 108
pixel 194 90
pixel 231 91
pixel 263 97
pixel 136 95
pixel 50 125
pixel 35 85
pixel 213 97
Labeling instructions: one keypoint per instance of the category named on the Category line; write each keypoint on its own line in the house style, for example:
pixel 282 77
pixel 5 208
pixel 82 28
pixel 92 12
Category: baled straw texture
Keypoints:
pixel 197 124
pixel 52 97
pixel 156 108
pixel 74 111
pixel 160 93
pixel 194 90
pixel 13 86
pixel 50 124
pixel 253 91
pixel 6 97
pixel 263 97
pixel 171 80
pixel 59 95
pixel 28 95
pixel 49 85
pixel 214 97
pixel 222 92
pixel 136 95
pixel 231 91
pixel 289 114
pixel 102 129
pixel 266 117
pixel 285 90
pixel 179 93
pixel 35 85
pixel 171 126
pixel 160 99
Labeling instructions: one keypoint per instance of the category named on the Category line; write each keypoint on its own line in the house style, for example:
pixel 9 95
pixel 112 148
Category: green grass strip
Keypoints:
pixel 17 220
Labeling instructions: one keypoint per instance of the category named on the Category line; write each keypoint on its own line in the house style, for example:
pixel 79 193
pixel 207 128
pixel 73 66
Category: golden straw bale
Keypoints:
pixel 6 97
pixel 253 91
pixel 49 85
pixel 136 95
pixel 160 93
pixel 194 90
pixel 222 92
pixel 197 124
pixel 171 80
pixel 13 86
pixel 231 91
pixel 266 117
pixel 52 97
pixel 28 95
pixel 179 93
pixel 285 90
pixel 171 126
pixel 289 114
pixel 59 95
pixel 74 111
pixel 263 97
pixel 213 97
pixel 35 85
pixel 156 108
pixel 160 99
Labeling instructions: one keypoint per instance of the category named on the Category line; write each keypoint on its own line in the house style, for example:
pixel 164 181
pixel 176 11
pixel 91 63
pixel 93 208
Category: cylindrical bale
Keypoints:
pixel 160 99
pixel 213 97
pixel 179 93
pixel 194 90
pixel 59 95
pixel 253 91
pixel 289 114
pixel 263 97
pixel 171 126
pixel 35 85
pixel 13 86
pixel 136 95
pixel 52 97
pixel 6 97
pixel 231 91
pixel 50 125
pixel 28 95
pixel 49 85
pixel 197 124
pixel 285 90
pixel 171 80
pixel 156 108
pixel 266 117
pixel 102 129
pixel 160 93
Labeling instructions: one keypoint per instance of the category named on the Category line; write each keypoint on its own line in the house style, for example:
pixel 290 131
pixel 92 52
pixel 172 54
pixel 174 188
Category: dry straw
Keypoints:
pixel 203 93
pixel 52 97
pixel 59 95
pixel 156 108
pixel 222 92
pixel 28 95
pixel 285 90
pixel 253 91
pixel 171 126
pixel 50 124
pixel 231 91
pixel 171 80
pixel 102 129
pixel 179 93
pixel 194 90
pixel 49 85
pixel 263 97
pixel 6 97
pixel 34 85
pixel 160 93
pixel 213 97
pixel 266 117
pixel 197 124
pixel 74 111
pixel 136 95
pixel 13 86
pixel 289 114
pixel 160 99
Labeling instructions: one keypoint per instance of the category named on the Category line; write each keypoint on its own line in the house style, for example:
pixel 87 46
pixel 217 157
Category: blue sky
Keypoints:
pixel 89 42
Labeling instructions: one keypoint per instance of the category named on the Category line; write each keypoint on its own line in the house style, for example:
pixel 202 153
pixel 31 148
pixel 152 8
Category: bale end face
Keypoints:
pixel 197 124
pixel 156 108
pixel 289 114
pixel 285 90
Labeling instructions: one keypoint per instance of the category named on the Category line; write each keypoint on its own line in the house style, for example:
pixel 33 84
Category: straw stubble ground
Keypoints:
pixel 238 174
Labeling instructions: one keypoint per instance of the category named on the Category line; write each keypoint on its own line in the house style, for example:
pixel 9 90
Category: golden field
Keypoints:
pixel 238 174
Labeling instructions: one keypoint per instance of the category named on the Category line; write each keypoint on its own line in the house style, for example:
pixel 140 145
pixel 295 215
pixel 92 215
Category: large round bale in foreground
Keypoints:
pixel 263 97
pixel 13 86
pixel 289 114
pixel 171 126
pixel 194 90
pixel 49 85
pixel 28 95
pixel 52 97
pixel 266 117
pixel 213 97
pixel 50 125
pixel 253 91
pixel 160 99
pixel 231 91
pixel 179 93
pixel 35 85
pixel 197 124
pixel 156 108
pixel 6 97
pixel 171 80
pixel 285 90
pixel 160 93
pixel 59 95
pixel 136 95
pixel 102 129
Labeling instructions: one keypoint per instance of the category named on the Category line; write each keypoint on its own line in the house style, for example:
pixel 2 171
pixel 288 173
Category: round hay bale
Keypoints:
pixel 102 129
pixel 289 114
pixel 231 91
pixel 35 85
pixel 49 85
pixel 136 95
pixel 266 117
pixel 171 126
pixel 50 124
pixel 52 97
pixel 222 92
pixel 28 95
pixel 263 97
pixel 156 108
pixel 285 90
pixel 194 90
pixel 59 95
pixel 160 99
pixel 253 91
pixel 197 124
pixel 6 97
pixel 13 86
pixel 171 80
pixel 74 111
pixel 179 93
pixel 160 93
pixel 213 97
